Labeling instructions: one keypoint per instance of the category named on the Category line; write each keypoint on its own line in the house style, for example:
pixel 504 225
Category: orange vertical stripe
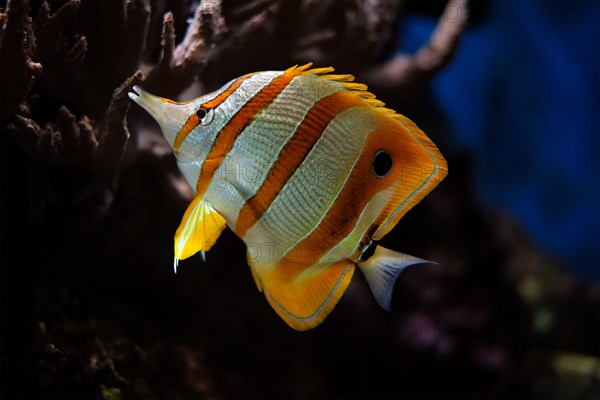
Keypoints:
pixel 226 137
pixel 341 218
pixel 189 126
pixel 223 96
pixel 292 155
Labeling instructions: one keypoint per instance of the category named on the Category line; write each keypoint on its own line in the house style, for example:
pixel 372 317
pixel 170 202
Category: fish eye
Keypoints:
pixel 205 115
pixel 201 113
pixel 382 163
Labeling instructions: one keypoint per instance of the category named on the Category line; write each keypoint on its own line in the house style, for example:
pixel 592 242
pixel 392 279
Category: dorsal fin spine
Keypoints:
pixel 347 82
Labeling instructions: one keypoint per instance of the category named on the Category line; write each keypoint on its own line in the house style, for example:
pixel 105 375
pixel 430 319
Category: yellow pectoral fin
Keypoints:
pixel 305 299
pixel 199 229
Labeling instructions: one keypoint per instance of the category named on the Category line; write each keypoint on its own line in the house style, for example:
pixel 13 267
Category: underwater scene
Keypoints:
pixel 299 199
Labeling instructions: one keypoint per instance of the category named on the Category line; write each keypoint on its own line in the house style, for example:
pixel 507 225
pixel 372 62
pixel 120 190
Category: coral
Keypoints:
pixel 72 142
pixel 180 64
pixel 402 73
pixel 16 44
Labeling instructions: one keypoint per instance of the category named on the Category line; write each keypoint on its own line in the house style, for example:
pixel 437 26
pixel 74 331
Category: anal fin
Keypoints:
pixel 304 296
pixel 199 229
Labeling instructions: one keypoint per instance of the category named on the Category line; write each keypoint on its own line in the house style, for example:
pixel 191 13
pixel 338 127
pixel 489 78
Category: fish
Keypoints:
pixel 310 170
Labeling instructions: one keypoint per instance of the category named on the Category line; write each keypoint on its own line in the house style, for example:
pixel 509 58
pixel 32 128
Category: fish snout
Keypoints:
pixel 169 114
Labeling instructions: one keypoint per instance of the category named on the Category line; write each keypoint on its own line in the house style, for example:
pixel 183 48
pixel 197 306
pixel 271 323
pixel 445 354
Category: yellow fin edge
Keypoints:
pixel 347 81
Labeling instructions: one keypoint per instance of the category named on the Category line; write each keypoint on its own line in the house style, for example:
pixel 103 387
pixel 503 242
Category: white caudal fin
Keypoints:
pixel 382 270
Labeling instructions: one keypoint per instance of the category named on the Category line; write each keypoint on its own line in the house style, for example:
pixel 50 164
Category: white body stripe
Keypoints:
pixel 197 144
pixel 190 171
pixel 308 194
pixel 259 145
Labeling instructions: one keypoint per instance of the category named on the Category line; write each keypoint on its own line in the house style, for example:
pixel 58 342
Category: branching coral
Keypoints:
pixel 408 72
pixel 17 44
pixel 76 143
pixel 240 37
pixel 88 132
pixel 179 65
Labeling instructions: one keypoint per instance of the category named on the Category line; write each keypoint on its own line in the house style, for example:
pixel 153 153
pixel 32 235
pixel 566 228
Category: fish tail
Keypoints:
pixel 381 271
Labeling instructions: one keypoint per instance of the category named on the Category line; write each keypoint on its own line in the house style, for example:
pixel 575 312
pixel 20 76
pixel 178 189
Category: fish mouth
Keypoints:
pixel 169 115
pixel 139 95
pixel 135 92
pixel 152 104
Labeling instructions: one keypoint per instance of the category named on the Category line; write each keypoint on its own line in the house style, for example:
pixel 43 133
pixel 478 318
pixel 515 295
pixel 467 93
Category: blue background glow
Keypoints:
pixel 523 94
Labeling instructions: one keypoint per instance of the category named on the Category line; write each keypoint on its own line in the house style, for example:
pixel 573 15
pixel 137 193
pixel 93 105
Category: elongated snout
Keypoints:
pixel 170 115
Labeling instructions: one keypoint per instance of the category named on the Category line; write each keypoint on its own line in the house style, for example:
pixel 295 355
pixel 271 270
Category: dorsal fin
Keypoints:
pixel 301 295
pixel 347 81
